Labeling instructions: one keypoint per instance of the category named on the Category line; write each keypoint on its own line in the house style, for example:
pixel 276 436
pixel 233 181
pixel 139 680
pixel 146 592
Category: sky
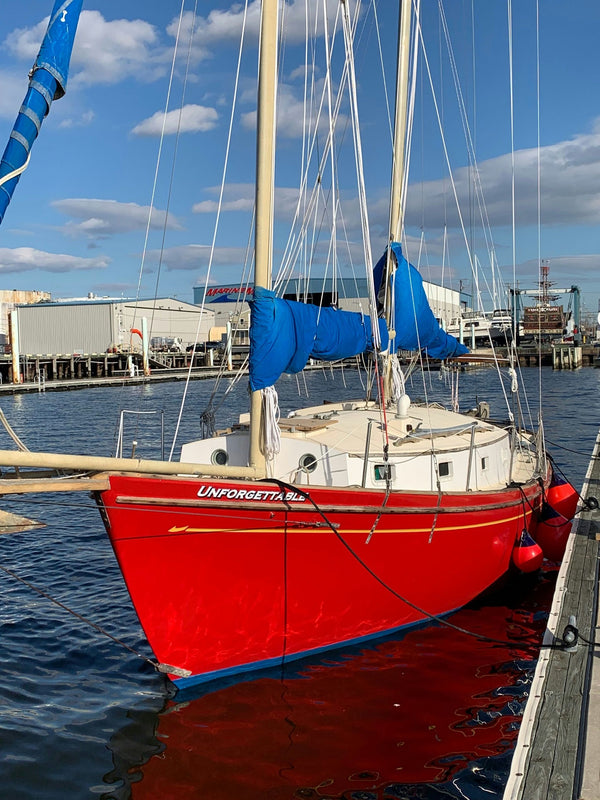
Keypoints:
pixel 78 222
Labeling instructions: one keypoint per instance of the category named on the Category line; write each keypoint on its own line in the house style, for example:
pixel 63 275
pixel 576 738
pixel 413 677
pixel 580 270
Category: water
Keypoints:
pixel 431 714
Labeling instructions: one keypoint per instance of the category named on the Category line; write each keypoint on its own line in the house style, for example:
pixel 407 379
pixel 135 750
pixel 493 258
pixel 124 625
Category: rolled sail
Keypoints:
pixel 414 322
pixel 284 334
pixel 47 82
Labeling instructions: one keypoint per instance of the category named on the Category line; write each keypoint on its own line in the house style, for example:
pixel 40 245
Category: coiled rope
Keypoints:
pixel 271 415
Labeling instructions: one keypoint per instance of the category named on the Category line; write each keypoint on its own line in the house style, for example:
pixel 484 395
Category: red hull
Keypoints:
pixel 238 581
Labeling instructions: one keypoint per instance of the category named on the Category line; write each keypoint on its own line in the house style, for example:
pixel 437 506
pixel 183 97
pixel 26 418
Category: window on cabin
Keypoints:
pixel 445 469
pixel 383 472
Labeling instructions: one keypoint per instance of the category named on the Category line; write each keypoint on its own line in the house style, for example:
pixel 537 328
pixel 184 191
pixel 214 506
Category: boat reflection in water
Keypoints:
pixel 435 713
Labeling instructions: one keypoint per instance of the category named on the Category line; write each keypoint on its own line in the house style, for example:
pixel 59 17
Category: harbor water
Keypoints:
pixel 430 714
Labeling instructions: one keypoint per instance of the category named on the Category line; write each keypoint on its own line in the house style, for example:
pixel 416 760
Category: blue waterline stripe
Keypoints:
pixel 270 663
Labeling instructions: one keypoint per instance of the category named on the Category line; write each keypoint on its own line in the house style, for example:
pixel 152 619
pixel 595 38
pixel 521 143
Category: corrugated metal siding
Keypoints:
pixel 94 327
pixel 169 318
pixel 57 330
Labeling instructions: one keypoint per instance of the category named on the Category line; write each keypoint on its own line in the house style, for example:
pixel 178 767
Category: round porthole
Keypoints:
pixel 308 462
pixel 220 458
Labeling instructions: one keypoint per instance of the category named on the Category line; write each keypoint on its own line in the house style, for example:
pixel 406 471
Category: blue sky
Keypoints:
pixel 77 222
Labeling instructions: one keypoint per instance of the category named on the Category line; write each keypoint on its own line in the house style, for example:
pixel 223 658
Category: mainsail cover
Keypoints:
pixel 47 82
pixel 284 334
pixel 414 322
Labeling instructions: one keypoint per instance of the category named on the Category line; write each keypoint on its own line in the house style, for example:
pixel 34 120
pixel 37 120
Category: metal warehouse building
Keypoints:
pixel 348 295
pixel 98 326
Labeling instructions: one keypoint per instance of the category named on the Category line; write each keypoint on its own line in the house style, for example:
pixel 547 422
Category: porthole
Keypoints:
pixel 219 457
pixel 307 462
pixel 484 463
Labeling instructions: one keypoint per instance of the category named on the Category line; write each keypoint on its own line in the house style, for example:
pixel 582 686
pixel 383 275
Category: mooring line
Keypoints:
pixel 164 668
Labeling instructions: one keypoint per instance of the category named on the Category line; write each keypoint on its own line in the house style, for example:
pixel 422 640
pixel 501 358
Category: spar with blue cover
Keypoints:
pixel 413 320
pixel 47 82
pixel 284 334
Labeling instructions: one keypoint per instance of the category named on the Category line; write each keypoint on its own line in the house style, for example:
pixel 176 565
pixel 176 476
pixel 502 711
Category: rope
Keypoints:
pixel 398 380
pixel 80 617
pixel 16 172
pixel 9 429
pixel 271 414
pixel 454 391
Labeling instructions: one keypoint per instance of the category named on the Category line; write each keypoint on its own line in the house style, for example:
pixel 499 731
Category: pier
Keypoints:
pixel 65 372
pixel 557 756
pixel 559 356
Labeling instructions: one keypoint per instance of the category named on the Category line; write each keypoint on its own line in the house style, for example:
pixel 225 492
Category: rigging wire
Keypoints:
pixel 173 165
pixel 217 221
pixel 159 153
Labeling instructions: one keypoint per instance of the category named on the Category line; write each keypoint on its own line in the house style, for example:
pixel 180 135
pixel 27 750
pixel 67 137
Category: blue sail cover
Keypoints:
pixel 47 82
pixel 285 334
pixel 415 324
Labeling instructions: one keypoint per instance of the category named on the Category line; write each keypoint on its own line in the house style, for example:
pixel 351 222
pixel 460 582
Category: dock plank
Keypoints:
pixel 550 758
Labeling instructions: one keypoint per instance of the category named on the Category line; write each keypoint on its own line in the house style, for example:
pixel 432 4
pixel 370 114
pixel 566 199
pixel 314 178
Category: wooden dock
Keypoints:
pixel 557 756
pixel 558 356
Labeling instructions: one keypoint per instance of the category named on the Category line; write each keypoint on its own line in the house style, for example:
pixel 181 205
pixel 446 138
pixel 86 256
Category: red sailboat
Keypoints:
pixel 342 522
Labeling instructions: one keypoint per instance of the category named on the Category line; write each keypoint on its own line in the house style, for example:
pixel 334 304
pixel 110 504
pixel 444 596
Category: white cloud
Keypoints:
pixel 190 119
pixel 240 197
pixel 196 256
pixel 292 119
pixel 13 91
pixel 225 26
pixel 570 177
pixel 211 206
pixel 101 218
pixel 104 52
pixel 110 51
pixel 82 121
pixel 26 259
pixel 236 197
pixel 565 270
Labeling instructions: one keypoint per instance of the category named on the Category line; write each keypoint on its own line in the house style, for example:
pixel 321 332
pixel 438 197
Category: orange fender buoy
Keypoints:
pixel 527 555
pixel 562 497
pixel 551 533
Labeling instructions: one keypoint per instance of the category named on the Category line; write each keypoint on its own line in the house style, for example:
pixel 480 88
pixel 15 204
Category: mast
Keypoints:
pixel 400 121
pixel 398 165
pixel 265 180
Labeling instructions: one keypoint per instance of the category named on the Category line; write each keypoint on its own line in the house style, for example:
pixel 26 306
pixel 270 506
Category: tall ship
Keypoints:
pixel 544 320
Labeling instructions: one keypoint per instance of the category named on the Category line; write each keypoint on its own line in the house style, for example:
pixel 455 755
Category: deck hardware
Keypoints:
pixel 570 636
